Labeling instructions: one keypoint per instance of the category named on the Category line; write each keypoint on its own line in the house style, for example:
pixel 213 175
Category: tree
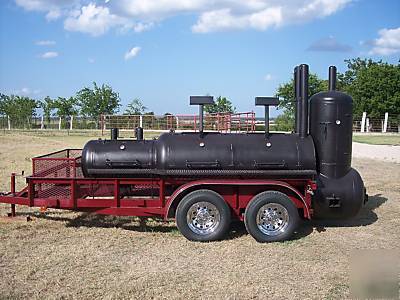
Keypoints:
pixel 66 107
pixel 19 109
pixel 3 99
pixel 284 122
pixel 97 101
pixel 285 92
pixel 373 85
pixel 135 107
pixel 48 105
pixel 222 105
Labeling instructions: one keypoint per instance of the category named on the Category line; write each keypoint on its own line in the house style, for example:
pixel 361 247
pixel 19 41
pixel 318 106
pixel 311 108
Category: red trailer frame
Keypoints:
pixel 57 182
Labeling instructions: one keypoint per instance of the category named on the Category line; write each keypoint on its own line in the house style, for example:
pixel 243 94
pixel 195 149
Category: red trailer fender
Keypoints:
pixel 177 195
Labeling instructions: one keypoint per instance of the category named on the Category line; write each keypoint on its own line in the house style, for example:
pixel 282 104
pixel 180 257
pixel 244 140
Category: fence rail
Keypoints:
pixel 53 123
pixel 243 122
pixel 390 124
pixel 237 122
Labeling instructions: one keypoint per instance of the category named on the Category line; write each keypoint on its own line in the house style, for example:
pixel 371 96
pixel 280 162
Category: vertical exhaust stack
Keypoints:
pixel 139 133
pixel 332 78
pixel 297 89
pixel 303 126
pixel 114 133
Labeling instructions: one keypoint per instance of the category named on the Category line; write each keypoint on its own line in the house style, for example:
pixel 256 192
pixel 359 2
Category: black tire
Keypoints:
pixel 214 203
pixel 282 211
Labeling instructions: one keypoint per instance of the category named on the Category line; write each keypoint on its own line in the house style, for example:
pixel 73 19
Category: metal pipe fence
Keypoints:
pixel 54 123
pixel 377 125
pixel 224 122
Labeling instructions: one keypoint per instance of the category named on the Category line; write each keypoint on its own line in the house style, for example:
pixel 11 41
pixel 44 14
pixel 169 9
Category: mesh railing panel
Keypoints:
pixel 61 164
pixel 217 121
pixel 53 191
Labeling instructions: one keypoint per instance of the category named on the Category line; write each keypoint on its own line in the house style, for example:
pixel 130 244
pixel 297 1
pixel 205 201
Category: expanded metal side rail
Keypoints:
pixel 63 163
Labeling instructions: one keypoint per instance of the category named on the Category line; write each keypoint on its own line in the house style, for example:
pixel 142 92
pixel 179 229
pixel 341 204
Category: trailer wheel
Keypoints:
pixel 203 215
pixel 271 217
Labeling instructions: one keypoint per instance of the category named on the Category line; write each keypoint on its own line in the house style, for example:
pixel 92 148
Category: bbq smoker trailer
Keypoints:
pixel 206 179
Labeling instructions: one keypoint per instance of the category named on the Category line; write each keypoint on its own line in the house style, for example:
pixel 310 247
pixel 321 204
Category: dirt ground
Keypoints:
pixel 61 254
pixel 389 153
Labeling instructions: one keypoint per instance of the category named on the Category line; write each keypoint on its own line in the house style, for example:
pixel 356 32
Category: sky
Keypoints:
pixel 164 51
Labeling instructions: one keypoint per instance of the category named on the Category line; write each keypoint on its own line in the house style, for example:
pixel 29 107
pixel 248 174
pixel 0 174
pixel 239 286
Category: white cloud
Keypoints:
pixel 97 20
pixel 53 15
pixel 268 77
pixel 54 9
pixel 98 17
pixel 132 53
pixel 45 43
pixel 320 8
pixel 25 91
pixel 224 20
pixel 92 19
pixel 388 42
pixel 50 54
pixel 140 27
pixel 44 5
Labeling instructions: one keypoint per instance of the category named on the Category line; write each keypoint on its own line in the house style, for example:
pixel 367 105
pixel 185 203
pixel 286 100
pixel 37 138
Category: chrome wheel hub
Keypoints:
pixel 203 218
pixel 272 219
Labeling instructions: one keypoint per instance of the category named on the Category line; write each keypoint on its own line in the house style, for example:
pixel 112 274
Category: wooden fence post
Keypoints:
pixel 71 120
pixel 385 123
pixel 364 116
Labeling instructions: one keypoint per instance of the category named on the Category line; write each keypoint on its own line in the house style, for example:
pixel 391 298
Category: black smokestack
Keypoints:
pixel 297 88
pixel 303 128
pixel 139 133
pixel 332 78
pixel 114 133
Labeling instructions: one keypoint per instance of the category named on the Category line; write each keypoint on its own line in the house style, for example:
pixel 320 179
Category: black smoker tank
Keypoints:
pixel 341 191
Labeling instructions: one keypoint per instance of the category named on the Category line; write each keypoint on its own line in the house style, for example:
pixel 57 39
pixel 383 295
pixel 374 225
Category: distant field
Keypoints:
pixel 71 139
pixel 77 138
pixel 377 139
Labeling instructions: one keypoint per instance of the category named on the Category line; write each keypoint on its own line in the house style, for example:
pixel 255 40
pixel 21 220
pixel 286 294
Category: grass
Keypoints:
pixel 64 254
pixel 71 139
pixel 378 139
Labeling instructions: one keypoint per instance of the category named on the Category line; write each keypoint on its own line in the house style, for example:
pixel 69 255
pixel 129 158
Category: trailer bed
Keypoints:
pixel 57 182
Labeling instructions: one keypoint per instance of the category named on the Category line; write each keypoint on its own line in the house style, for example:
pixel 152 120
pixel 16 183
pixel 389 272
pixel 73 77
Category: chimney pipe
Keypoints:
pixel 267 102
pixel 114 133
pixel 303 128
pixel 139 133
pixel 201 101
pixel 297 88
pixel 332 78
pixel 201 117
